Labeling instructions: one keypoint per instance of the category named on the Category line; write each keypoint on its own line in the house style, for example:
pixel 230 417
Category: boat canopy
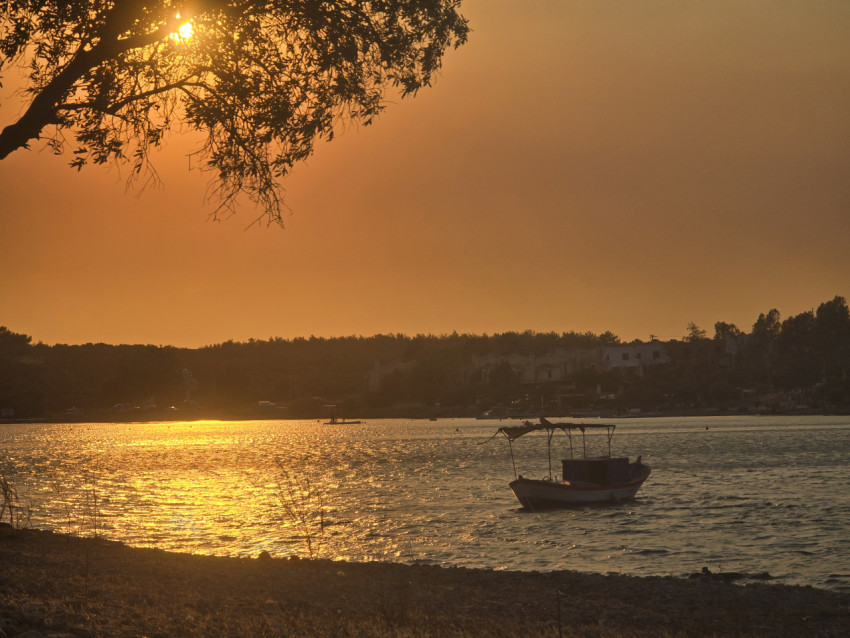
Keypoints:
pixel 514 432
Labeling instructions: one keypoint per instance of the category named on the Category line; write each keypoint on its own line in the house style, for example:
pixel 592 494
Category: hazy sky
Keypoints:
pixel 579 165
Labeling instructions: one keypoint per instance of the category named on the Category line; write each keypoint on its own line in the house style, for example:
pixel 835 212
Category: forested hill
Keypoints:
pixel 799 363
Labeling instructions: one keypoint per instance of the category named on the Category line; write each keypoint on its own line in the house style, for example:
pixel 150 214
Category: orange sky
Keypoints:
pixel 587 165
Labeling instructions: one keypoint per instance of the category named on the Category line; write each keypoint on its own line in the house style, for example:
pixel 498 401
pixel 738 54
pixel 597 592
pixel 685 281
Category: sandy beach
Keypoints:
pixel 64 586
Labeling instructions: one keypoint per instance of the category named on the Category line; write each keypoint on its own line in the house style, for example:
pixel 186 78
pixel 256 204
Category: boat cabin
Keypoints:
pixel 601 471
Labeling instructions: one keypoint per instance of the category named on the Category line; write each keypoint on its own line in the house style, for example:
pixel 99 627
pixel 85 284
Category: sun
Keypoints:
pixel 183 32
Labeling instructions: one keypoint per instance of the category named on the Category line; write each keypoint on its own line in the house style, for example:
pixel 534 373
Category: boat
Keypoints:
pixel 333 408
pixel 336 421
pixel 602 479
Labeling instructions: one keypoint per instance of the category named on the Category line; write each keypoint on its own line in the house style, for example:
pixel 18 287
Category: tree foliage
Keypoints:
pixel 695 333
pixel 722 329
pixel 263 80
pixel 805 358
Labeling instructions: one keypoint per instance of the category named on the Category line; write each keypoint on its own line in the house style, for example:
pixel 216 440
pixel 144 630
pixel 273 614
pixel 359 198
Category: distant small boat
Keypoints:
pixel 336 421
pixel 584 480
pixel 494 413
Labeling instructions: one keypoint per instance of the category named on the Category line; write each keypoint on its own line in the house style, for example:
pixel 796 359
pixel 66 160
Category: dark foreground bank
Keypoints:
pixel 65 586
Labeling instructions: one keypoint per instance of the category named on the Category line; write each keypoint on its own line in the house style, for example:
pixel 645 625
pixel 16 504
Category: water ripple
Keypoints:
pixel 749 494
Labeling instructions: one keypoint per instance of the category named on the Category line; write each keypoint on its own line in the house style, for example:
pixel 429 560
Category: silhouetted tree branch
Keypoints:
pixel 263 80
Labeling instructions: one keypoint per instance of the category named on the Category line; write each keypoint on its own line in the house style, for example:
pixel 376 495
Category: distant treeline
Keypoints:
pixel 801 362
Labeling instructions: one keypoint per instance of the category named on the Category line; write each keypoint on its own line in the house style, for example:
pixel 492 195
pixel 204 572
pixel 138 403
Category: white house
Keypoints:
pixel 634 356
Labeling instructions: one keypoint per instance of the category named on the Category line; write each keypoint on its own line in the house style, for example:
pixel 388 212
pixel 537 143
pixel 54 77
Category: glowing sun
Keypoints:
pixel 183 32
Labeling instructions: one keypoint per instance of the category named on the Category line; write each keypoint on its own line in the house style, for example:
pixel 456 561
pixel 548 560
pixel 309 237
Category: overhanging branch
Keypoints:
pixel 43 110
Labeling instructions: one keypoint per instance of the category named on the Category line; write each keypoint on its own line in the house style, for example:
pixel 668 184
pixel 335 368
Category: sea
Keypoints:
pixel 754 495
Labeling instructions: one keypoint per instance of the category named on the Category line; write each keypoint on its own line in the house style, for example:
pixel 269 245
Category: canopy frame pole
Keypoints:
pixel 549 435
pixel 513 462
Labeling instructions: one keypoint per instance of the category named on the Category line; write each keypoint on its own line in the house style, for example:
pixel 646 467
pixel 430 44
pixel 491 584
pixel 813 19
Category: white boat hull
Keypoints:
pixel 539 494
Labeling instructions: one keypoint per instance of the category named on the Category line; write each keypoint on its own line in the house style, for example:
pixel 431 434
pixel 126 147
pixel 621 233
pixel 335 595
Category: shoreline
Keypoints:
pixel 235 417
pixel 95 587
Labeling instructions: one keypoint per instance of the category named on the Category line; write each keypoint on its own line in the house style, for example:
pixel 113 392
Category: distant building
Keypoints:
pixel 550 367
pixel 382 370
pixel 554 366
pixel 634 357
pixel 727 349
pixel 723 352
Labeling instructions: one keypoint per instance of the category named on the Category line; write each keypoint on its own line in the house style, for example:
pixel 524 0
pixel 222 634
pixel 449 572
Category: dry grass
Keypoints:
pixel 141 592
pixel 12 508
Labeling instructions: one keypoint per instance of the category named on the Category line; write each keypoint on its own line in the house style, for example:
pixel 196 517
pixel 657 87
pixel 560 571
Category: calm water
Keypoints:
pixel 749 494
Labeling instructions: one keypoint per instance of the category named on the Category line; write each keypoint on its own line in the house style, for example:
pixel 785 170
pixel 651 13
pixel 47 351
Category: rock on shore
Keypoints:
pixel 60 586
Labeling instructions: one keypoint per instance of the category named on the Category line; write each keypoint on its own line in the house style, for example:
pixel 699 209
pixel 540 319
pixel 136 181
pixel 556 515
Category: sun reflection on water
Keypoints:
pixel 419 492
